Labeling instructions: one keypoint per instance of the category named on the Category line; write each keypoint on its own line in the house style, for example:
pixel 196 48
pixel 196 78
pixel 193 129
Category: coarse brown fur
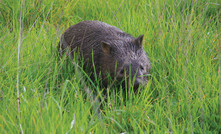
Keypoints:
pixel 114 51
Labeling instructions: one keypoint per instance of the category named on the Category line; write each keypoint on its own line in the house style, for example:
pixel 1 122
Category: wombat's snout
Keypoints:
pixel 137 82
pixel 133 74
pixel 135 79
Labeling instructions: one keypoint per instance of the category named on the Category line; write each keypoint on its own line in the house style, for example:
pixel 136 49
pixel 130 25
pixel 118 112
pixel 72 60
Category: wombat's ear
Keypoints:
pixel 139 40
pixel 105 47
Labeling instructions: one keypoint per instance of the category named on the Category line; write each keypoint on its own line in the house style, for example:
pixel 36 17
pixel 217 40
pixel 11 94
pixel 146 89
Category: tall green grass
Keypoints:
pixel 182 40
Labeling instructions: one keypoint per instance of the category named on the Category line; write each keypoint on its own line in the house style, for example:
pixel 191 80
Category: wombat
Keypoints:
pixel 111 51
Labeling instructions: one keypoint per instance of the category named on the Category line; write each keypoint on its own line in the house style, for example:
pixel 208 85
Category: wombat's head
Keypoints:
pixel 125 60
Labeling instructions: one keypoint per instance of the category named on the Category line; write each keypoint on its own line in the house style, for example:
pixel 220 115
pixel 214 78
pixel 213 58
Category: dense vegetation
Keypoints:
pixel 182 40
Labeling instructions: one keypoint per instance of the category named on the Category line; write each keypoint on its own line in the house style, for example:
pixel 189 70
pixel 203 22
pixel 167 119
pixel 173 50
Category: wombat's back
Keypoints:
pixel 91 33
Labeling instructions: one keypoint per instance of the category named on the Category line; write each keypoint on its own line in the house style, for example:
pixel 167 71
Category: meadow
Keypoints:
pixel 181 37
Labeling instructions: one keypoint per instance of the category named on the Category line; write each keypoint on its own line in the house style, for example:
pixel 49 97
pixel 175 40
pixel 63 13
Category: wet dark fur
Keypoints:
pixel 113 51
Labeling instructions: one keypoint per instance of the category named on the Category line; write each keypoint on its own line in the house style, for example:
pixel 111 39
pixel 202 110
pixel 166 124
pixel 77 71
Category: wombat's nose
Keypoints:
pixel 136 83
